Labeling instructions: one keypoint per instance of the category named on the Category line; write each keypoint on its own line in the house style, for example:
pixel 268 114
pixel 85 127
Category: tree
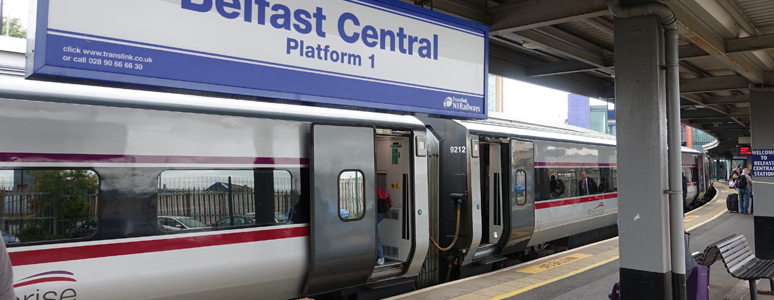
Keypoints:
pixel 61 198
pixel 14 28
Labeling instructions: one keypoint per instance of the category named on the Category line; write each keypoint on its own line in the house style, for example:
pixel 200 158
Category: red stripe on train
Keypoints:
pixel 546 204
pixel 30 257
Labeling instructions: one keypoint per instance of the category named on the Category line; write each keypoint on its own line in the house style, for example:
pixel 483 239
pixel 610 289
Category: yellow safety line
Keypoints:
pixel 584 269
pixel 707 220
pixel 542 283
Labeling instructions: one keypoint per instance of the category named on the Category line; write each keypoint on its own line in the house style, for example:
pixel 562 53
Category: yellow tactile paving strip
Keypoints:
pixel 524 277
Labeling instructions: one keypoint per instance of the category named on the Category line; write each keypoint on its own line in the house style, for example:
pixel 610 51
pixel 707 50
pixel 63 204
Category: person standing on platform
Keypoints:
pixel 587 185
pixel 743 186
pixel 6 277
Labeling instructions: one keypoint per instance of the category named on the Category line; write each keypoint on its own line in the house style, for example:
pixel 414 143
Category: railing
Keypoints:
pixel 31 215
pixel 207 198
pixel 209 207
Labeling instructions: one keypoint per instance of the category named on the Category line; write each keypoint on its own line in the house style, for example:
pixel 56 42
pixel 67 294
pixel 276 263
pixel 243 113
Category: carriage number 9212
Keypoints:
pixel 457 149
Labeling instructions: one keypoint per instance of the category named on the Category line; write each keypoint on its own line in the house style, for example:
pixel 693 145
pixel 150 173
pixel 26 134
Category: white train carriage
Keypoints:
pixel 165 196
pixel 531 191
pixel 121 194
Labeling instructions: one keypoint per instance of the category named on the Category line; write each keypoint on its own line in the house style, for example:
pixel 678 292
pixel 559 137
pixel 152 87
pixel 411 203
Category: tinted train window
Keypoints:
pixel 568 179
pixel 351 195
pixel 196 199
pixel 44 205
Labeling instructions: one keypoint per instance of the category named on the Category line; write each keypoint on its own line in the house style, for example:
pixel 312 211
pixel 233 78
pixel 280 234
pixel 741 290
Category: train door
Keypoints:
pixel 493 193
pixel 701 165
pixel 521 215
pixel 343 208
pixel 393 174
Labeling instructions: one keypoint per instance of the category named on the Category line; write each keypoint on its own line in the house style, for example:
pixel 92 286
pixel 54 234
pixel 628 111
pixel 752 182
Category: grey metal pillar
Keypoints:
pixel 642 159
pixel 761 112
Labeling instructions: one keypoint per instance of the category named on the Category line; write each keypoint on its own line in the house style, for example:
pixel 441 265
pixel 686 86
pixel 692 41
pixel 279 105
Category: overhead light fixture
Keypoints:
pixel 530 45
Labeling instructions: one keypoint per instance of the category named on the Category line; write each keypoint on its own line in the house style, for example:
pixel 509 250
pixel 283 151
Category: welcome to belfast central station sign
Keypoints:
pixel 378 54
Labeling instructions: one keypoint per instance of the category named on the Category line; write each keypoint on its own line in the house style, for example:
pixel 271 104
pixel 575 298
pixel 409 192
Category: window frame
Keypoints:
pixel 524 192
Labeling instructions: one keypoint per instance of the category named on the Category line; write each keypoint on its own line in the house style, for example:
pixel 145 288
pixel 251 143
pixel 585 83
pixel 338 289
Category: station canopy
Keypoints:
pixel 725 47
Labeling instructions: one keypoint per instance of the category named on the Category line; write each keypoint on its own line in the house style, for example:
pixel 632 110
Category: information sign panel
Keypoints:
pixel 763 163
pixel 381 54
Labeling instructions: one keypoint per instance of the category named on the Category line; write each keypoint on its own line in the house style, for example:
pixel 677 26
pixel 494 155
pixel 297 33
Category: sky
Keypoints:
pixel 17 9
pixel 533 103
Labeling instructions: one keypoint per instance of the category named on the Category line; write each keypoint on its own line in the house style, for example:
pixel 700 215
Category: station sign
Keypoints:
pixel 763 163
pixel 380 54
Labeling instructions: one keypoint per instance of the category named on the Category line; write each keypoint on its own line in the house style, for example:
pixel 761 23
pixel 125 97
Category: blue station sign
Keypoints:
pixel 380 54
pixel 763 163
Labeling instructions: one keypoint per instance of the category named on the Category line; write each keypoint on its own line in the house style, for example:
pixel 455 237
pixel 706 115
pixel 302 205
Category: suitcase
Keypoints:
pixel 616 294
pixel 697 283
pixel 732 202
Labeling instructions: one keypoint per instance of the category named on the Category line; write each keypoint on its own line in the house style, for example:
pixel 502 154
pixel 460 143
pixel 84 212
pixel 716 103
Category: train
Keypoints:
pixel 130 194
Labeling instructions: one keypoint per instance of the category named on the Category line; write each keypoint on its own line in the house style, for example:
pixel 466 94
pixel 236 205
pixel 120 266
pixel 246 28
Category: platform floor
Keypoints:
pixel 589 272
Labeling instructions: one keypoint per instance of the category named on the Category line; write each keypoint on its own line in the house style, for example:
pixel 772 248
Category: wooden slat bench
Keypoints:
pixel 740 261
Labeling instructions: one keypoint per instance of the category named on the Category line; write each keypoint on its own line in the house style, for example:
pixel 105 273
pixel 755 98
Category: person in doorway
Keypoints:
pixel 744 185
pixel 587 185
pixel 383 204
pixel 6 277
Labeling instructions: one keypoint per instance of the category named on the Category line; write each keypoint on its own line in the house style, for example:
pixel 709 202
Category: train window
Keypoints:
pixel 521 187
pixel 555 183
pixel 605 180
pixel 197 199
pixel 614 182
pixel 45 205
pixel 351 195
pixel 567 178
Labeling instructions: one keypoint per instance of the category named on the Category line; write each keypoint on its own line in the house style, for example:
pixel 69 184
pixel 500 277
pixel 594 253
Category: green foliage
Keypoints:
pixel 33 232
pixel 15 29
pixel 69 191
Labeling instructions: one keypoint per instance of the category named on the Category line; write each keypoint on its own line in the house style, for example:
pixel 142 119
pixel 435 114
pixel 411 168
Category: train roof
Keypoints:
pixel 545 132
pixel 31 90
pixel 563 133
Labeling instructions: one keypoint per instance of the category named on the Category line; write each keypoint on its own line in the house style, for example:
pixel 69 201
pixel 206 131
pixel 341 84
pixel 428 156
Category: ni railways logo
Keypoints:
pixel 460 104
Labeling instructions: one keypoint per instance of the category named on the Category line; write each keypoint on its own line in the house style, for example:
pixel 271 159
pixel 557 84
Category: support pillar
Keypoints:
pixel 642 159
pixel 761 123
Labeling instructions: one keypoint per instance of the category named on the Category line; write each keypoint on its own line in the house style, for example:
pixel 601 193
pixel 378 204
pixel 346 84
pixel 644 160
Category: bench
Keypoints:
pixel 740 261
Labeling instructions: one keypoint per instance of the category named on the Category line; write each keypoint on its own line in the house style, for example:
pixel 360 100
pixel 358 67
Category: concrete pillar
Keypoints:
pixel 761 110
pixel 642 159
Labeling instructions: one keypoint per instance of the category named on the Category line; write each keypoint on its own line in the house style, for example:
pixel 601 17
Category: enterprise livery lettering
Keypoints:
pixel 305 22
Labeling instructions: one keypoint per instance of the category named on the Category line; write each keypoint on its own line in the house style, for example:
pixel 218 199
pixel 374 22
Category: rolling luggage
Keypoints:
pixel 697 283
pixel 732 202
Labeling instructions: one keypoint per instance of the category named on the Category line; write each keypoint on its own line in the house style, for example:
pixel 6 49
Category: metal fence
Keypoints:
pixel 51 216
pixel 352 197
pixel 207 198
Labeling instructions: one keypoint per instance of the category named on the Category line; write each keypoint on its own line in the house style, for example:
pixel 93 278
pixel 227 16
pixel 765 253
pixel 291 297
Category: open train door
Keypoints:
pixel 343 208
